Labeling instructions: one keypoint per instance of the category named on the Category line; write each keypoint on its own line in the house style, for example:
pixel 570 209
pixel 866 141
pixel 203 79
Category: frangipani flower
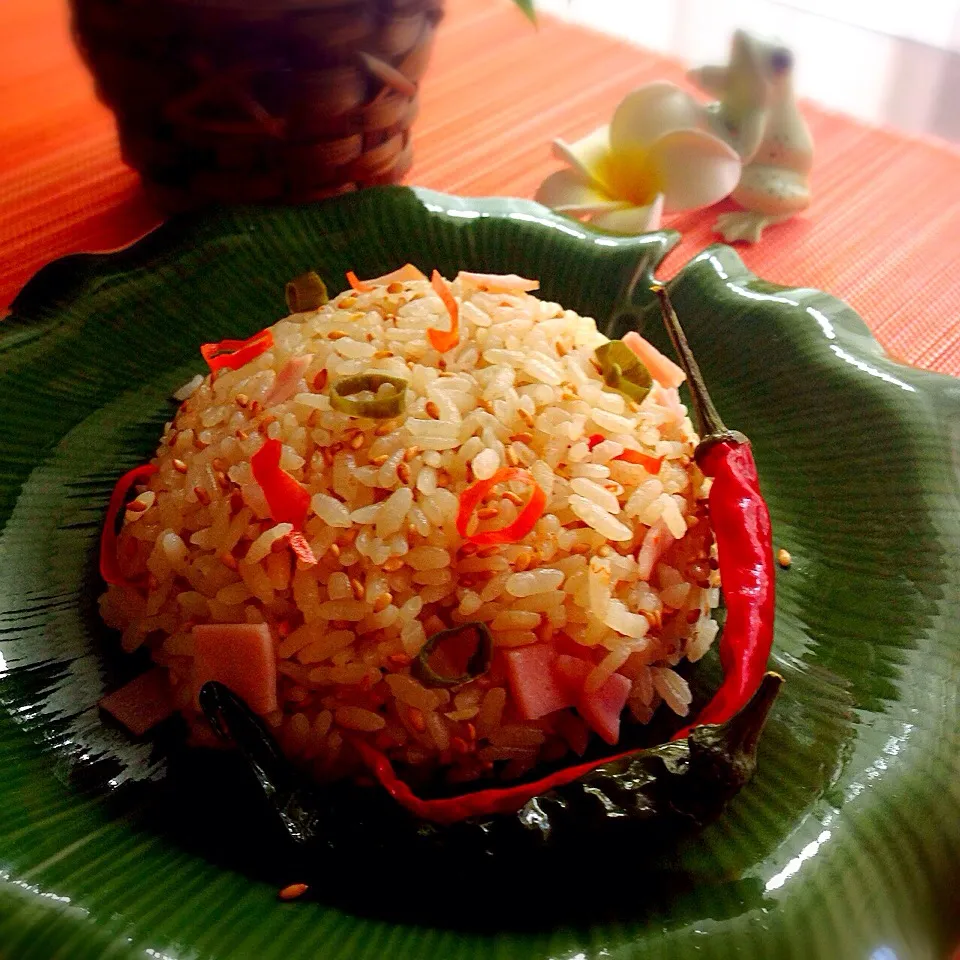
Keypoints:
pixel 653 157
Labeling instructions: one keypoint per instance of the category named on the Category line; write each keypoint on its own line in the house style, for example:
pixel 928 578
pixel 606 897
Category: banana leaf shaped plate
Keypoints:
pixel 845 845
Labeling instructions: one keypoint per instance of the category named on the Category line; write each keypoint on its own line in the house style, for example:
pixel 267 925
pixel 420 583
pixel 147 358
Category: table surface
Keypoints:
pixel 883 232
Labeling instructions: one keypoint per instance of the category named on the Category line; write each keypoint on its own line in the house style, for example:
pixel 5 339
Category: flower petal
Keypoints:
pixel 587 155
pixel 649 112
pixel 694 169
pixel 631 219
pixel 568 192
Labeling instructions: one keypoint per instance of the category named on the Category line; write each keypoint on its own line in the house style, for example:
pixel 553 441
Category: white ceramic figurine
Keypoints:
pixel 757 114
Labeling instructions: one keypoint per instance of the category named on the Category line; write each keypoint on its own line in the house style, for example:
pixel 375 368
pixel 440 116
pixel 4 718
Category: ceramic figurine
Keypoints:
pixel 757 114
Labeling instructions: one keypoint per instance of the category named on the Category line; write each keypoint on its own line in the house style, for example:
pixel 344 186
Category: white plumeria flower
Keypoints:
pixel 654 156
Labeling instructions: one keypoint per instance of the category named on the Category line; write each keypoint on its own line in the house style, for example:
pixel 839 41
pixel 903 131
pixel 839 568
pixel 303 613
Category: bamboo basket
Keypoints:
pixel 259 100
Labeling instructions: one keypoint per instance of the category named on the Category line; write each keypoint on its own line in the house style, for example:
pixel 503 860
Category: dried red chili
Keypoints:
pixel 741 525
pixel 236 353
pixel 109 562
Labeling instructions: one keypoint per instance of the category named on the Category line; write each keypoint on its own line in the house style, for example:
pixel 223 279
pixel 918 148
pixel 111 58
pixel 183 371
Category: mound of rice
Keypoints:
pixel 617 571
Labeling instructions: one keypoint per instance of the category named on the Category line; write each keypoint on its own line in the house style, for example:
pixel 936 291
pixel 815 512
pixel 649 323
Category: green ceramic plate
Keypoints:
pixel 847 843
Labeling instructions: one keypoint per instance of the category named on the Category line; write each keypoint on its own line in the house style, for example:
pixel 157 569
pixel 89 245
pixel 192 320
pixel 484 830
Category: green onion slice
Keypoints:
pixel 478 663
pixel 306 292
pixel 379 406
pixel 622 370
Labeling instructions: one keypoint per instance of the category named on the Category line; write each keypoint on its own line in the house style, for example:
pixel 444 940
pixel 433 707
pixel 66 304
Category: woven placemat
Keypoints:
pixel 883 231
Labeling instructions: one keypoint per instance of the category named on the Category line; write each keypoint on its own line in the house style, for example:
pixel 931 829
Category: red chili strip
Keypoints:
pixel 650 464
pixel 361 286
pixel 594 439
pixel 286 497
pixel 444 340
pixel 109 561
pixel 741 525
pixel 236 353
pixel 514 532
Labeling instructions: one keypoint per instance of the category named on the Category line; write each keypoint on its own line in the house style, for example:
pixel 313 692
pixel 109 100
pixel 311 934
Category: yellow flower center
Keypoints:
pixel 628 175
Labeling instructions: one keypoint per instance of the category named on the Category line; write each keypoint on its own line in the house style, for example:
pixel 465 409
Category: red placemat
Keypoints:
pixel 883 232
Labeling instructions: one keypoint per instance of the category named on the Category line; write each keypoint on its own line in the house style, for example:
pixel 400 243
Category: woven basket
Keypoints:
pixel 259 100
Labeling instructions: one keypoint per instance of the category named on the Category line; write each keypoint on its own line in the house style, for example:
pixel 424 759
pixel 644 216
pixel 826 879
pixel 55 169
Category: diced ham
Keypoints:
pixel 571 674
pixel 407 272
pixel 600 709
pixel 142 703
pixel 498 282
pixel 288 379
pixel 655 543
pixel 533 684
pixel 661 368
pixel 241 657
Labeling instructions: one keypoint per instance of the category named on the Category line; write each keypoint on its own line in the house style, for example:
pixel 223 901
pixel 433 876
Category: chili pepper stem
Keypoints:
pixel 711 428
pixel 748 724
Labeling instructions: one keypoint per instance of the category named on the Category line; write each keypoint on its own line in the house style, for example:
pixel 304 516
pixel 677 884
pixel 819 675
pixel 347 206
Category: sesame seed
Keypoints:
pixel 357 441
pixel 379 461
pixel 256 407
pixel 327 456
pixel 320 380
pixel 411 452
pixel 382 354
pixel 241 435
pixel 383 429
pixel 337 334
pixel 334 550
pixel 416 719
pixel 347 302
pixel 526 418
pixel 136 506
pixel 784 558
pixel 490 551
pixel 432 410
pixel 514 498
pixel 202 496
pixel 241 399
pixel 228 560
pixel 521 437
pixel 357 587
pixel 382 602
pixel 392 564
pixel 485 513
pixel 292 891
pixel 403 473
pixel 179 466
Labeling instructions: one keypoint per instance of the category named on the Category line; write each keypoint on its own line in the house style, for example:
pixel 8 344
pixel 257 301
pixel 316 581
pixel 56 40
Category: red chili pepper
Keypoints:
pixel 286 497
pixel 512 532
pixel 444 340
pixel 236 353
pixel 594 439
pixel 741 525
pixel 109 561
